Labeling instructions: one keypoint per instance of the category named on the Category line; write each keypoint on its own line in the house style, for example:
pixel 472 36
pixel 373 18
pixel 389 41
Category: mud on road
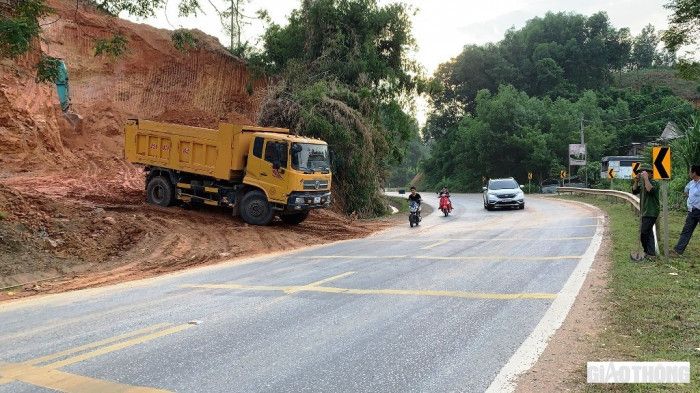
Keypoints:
pixel 60 233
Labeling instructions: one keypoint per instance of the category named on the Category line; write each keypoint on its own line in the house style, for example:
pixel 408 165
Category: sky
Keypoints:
pixel 441 27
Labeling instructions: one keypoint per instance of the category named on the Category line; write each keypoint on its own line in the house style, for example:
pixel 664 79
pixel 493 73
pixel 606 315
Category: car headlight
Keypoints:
pixel 299 201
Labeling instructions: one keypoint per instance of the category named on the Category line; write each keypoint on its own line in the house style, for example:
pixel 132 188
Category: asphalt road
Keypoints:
pixel 441 307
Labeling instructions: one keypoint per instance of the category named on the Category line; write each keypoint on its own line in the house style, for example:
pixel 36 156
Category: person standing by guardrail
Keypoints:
pixel 650 207
pixel 692 192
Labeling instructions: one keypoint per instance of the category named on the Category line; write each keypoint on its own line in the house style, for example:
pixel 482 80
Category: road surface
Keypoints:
pixel 448 306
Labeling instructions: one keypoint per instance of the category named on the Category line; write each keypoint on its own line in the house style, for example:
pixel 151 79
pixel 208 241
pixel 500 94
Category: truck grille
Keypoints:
pixel 315 184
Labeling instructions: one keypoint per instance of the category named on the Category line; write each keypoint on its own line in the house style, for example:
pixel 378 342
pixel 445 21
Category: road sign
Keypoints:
pixel 611 173
pixel 635 168
pixel 529 176
pixel 563 174
pixel 577 154
pixel 661 157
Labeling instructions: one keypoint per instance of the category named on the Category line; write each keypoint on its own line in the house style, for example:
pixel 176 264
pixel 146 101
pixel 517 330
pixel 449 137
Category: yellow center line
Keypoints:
pixel 491 239
pixel 352 256
pixel 321 282
pixel 439 243
pixel 500 258
pixel 117 346
pixel 451 258
pixel 393 292
pixel 67 382
pixel 95 344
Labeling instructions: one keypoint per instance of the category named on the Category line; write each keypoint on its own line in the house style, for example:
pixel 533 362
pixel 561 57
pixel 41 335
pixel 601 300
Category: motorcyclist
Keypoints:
pixel 445 192
pixel 415 197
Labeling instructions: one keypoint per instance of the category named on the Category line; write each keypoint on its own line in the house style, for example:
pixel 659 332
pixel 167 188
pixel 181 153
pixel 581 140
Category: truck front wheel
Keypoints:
pixel 294 218
pixel 160 191
pixel 255 209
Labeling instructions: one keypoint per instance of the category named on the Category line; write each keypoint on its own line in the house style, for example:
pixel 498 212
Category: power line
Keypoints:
pixel 639 117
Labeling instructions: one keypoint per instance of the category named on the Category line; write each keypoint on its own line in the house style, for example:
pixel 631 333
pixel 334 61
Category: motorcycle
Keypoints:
pixel 414 213
pixel 445 204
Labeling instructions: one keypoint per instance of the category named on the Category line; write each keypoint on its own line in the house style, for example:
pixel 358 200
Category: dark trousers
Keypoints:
pixel 647 237
pixel 691 221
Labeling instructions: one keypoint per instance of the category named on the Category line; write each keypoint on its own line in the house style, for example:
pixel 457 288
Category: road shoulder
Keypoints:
pixel 562 365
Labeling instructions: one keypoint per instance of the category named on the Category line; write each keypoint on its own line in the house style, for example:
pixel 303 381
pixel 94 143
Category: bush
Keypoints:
pixel 183 40
pixel 48 70
pixel 113 47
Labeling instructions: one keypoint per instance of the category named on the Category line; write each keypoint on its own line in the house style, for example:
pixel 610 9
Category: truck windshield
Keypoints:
pixel 309 157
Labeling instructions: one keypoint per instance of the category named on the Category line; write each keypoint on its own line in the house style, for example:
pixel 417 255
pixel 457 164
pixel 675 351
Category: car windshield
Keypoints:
pixel 503 185
pixel 309 157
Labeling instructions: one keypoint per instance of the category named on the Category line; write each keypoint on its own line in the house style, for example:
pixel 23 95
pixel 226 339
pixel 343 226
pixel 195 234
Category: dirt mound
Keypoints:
pixel 71 244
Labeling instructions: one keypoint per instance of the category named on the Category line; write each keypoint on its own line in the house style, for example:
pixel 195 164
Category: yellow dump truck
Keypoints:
pixel 260 172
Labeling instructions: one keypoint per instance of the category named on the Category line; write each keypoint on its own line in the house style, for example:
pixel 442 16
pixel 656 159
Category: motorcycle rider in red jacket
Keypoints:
pixel 446 193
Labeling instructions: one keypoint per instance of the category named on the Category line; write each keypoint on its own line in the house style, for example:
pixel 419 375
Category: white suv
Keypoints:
pixel 503 193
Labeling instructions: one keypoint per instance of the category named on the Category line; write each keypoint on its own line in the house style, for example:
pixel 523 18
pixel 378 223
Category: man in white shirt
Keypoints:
pixel 692 191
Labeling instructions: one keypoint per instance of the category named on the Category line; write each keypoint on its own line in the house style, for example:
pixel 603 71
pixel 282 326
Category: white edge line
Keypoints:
pixel 530 350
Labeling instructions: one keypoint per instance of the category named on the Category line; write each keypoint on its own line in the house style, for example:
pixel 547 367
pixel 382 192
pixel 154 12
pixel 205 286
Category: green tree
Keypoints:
pixel 19 26
pixel 684 29
pixel 345 72
pixel 644 48
pixel 684 26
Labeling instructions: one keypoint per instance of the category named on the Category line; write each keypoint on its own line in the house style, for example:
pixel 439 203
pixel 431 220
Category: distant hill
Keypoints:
pixel 687 89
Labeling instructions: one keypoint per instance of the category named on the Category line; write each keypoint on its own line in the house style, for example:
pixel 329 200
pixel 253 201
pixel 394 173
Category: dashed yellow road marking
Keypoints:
pixel 393 292
pixel 321 282
pixel 439 243
pixel 67 382
pixel 117 346
pixel 95 344
pixel 49 377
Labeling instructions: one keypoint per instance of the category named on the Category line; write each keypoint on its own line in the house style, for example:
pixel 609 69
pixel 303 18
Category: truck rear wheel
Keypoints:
pixel 160 191
pixel 255 209
pixel 294 218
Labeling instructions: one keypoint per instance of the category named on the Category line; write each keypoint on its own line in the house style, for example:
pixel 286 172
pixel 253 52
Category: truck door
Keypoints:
pixel 273 169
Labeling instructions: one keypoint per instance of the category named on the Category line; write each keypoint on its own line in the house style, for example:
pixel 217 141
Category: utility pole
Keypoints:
pixel 583 142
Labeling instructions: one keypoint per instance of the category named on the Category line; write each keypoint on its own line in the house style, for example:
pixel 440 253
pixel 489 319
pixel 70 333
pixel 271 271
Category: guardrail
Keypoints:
pixel 626 196
pixel 631 199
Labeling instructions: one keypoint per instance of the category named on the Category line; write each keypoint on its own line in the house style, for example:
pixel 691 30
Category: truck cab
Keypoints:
pixel 293 171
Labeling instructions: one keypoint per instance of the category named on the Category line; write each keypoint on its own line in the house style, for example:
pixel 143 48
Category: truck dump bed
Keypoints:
pixel 220 154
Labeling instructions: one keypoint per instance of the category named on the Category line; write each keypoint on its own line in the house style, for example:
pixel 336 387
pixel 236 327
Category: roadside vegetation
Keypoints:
pixel 399 203
pixel 654 312
pixel 513 107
